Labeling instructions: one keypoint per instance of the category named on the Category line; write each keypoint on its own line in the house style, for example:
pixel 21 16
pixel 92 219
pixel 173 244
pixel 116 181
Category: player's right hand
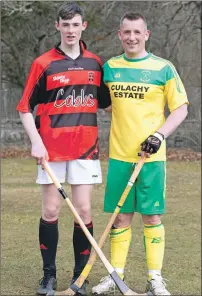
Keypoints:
pixel 152 144
pixel 40 153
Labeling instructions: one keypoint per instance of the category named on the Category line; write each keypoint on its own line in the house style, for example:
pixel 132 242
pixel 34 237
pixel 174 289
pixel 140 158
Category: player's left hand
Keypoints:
pixel 152 144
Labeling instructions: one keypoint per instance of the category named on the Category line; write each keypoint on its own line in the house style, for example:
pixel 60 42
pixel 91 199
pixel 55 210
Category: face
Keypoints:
pixel 133 35
pixel 70 30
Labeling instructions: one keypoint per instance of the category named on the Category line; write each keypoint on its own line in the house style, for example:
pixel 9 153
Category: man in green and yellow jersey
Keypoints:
pixel 141 85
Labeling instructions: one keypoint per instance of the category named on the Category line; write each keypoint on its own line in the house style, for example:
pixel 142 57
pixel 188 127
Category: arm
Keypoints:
pixel 108 109
pixel 173 121
pixel 177 101
pixel 38 150
pixel 153 142
pixel 33 94
pixel 104 99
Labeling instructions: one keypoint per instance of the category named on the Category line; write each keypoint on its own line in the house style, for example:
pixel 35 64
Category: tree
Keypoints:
pixel 28 29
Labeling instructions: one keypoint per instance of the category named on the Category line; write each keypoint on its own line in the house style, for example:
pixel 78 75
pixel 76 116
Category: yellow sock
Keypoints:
pixel 154 242
pixel 120 239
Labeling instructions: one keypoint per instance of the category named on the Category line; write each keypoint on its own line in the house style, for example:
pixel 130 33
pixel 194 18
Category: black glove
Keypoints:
pixel 152 144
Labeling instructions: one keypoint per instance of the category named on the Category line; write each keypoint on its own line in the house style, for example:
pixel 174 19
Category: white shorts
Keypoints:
pixel 79 171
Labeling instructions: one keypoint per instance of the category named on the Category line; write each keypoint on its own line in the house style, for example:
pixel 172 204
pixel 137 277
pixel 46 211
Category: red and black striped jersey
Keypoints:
pixel 67 93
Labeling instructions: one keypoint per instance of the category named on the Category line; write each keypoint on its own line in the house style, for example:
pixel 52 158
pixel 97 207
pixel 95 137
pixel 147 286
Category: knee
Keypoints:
pixel 84 212
pixel 123 220
pixel 51 212
pixel 151 219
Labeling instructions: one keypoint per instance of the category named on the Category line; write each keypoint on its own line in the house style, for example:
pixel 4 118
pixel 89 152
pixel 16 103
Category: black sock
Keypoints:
pixel 48 239
pixel 82 248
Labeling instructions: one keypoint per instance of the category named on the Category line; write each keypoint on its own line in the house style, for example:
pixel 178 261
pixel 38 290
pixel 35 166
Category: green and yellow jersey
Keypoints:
pixel 140 90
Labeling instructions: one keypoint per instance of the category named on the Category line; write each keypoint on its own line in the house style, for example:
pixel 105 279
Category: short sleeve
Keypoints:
pixel 107 73
pixel 34 89
pixel 174 89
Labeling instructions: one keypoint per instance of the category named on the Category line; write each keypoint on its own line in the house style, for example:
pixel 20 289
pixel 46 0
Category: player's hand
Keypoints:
pixel 40 153
pixel 152 144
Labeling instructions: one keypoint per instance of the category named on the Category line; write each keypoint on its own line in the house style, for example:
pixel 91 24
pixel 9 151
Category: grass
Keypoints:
pixel 21 209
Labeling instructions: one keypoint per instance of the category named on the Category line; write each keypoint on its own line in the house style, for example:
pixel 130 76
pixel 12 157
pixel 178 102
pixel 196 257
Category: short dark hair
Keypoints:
pixel 132 16
pixel 68 10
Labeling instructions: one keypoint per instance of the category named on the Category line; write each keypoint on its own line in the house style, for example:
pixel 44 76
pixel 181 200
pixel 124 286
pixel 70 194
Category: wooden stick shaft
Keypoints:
pixel 77 217
pixel 120 283
pixel 133 178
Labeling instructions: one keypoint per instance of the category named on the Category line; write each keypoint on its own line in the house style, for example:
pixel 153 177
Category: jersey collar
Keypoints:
pixel 136 60
pixel 82 45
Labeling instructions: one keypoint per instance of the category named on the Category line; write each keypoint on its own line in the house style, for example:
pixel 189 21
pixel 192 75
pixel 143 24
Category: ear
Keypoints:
pixel 147 35
pixel 119 34
pixel 84 26
pixel 57 26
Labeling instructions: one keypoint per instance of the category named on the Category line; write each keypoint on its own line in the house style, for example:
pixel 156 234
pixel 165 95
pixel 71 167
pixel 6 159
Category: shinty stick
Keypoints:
pixel 79 282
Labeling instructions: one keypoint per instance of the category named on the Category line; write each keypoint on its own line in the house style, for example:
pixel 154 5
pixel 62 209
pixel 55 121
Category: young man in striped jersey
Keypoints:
pixel 140 85
pixel 66 85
